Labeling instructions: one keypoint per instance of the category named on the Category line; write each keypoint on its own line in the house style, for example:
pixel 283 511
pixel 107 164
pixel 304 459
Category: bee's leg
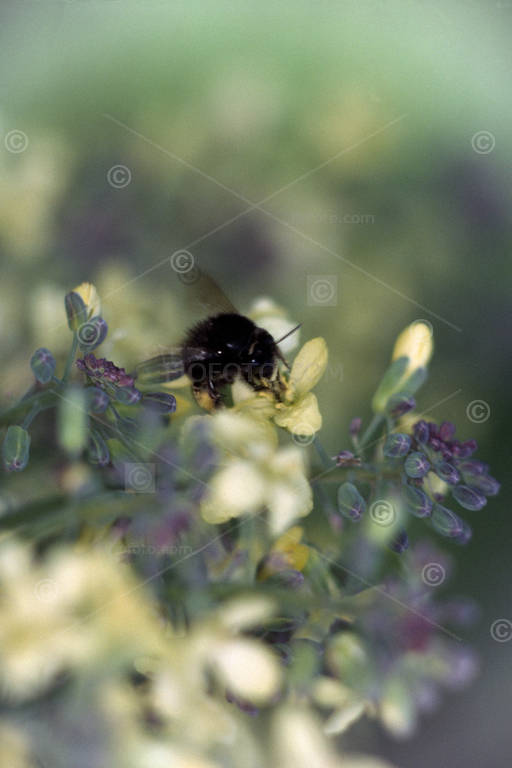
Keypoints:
pixel 207 396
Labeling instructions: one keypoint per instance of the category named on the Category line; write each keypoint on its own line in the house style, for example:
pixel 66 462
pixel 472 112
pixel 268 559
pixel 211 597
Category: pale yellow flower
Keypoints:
pixel 298 410
pixel 256 474
pixel 89 295
pixel 416 343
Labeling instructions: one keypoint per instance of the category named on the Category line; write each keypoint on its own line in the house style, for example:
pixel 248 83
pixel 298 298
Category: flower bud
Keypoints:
pixel 407 372
pixel 160 401
pixel 389 384
pixel 399 404
pixel 446 522
pixel 355 426
pixel 447 472
pixel 350 502
pixel 76 310
pixel 415 343
pixel 421 432
pixel 92 333
pixel 97 399
pixel 98 452
pixel 15 449
pixel 43 364
pixel 89 296
pixel 469 498
pixel 127 395
pixel 417 501
pixel 400 543
pixel 397 444
pixel 416 465
pixel 465 535
pixel 486 484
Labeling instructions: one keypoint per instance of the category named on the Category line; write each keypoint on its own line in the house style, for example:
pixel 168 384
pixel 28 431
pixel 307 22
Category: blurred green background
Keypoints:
pixel 380 134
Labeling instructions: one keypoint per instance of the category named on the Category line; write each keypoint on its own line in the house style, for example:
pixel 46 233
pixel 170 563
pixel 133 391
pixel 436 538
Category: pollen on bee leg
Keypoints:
pixel 204 400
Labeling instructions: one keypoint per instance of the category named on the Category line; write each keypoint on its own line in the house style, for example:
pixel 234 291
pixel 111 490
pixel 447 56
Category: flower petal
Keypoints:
pixel 301 418
pixel 309 366
pixel 247 668
pixel 234 490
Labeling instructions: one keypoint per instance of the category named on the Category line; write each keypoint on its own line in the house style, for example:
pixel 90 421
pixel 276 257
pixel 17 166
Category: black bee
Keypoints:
pixel 218 350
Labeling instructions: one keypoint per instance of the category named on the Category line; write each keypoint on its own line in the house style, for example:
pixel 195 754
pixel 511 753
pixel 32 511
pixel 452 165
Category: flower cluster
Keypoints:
pixel 266 623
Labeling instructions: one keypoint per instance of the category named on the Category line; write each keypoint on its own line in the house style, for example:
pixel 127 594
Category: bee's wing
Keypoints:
pixel 167 367
pixel 161 368
pixel 205 297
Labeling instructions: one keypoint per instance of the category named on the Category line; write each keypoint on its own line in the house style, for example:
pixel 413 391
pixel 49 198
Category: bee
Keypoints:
pixel 218 350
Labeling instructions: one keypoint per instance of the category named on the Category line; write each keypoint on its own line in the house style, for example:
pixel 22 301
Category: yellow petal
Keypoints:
pixel 241 433
pixel 309 366
pixel 89 295
pixel 245 612
pixel 290 496
pixel 235 490
pixel 416 343
pixel 301 418
pixel 247 668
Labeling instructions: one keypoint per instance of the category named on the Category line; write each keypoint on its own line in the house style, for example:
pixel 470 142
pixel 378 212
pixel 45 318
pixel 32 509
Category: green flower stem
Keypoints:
pixel 44 400
pixel 71 358
pixel 29 418
pixel 371 430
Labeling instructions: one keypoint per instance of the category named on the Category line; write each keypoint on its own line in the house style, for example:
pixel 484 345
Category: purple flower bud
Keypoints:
pixel 446 522
pixel 447 472
pixel 400 543
pixel 465 449
pixel 486 484
pixel 127 395
pixel 421 432
pixel 397 444
pixel 465 535
pixel 355 426
pixel 160 401
pixel 446 431
pixel 417 501
pixel 43 365
pixel 399 404
pixel 350 502
pixel 416 464
pixel 469 498
pixel 97 399
pixel 92 333
pixel 473 467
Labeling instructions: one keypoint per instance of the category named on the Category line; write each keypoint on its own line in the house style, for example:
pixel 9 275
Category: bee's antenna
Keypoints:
pixel 289 333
